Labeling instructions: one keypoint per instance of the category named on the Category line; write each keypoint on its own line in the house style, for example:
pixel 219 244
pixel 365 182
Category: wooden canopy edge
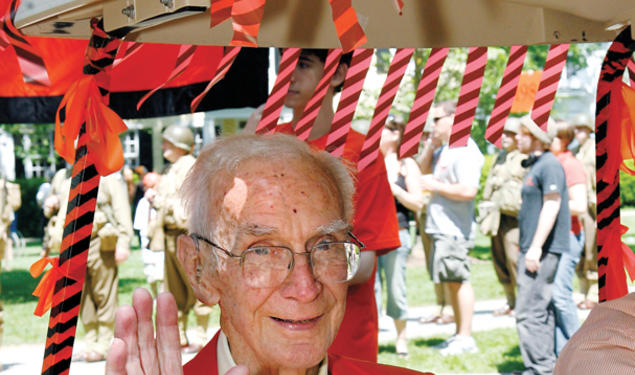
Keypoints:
pixel 301 23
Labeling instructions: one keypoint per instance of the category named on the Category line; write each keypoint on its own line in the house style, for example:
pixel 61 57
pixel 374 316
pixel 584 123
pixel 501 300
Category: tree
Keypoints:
pixel 452 74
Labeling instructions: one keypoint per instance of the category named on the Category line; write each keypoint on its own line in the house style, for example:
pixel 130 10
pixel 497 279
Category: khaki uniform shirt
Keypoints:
pixel 112 207
pixel 10 201
pixel 167 202
pixel 504 183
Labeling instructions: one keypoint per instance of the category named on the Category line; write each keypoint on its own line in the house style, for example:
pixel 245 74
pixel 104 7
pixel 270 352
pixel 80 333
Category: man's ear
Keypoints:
pixel 339 75
pixel 202 274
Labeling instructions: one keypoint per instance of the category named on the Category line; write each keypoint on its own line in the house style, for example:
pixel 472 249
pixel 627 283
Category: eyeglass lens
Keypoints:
pixel 269 266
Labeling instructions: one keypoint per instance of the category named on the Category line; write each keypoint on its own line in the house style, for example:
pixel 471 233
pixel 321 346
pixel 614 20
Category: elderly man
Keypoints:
pixel 269 242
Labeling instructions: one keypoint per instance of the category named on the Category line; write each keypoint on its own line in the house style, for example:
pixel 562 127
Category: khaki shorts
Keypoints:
pixel 450 262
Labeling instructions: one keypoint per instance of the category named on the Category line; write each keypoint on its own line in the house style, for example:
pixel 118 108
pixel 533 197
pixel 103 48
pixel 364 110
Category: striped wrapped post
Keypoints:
pixel 183 58
pixel 275 101
pixel 611 278
pixel 246 17
pixel 222 69
pixel 353 84
pixel 82 201
pixel 506 94
pixel 398 65
pixel 556 58
pixel 349 31
pixel 220 11
pixel 29 59
pixel 468 97
pixel 305 124
pixel 423 100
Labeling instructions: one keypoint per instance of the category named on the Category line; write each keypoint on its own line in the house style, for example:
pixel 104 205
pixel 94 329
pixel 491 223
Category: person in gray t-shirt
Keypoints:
pixel 452 176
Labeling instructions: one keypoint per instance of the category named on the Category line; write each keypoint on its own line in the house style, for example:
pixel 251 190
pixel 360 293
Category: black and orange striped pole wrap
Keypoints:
pixel 613 255
pixel 87 119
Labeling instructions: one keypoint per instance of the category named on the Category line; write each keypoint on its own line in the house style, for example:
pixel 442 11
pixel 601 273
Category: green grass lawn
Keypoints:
pixel 499 352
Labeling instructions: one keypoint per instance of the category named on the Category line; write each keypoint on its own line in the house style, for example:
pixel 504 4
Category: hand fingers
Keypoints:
pixel 168 343
pixel 142 302
pixel 532 265
pixel 238 370
pixel 116 360
pixel 126 331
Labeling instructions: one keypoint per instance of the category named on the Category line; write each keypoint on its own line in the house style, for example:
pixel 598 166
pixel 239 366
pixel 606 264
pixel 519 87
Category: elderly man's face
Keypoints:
pixel 292 324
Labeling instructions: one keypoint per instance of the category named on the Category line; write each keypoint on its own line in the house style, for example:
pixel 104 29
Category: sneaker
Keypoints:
pixel 446 343
pixel 460 345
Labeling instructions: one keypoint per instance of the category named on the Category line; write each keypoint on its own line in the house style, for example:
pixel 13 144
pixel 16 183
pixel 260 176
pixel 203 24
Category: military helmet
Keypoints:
pixel 180 136
pixel 512 124
pixel 583 119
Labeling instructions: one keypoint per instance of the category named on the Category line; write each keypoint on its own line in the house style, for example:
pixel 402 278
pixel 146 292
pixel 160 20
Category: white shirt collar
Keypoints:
pixel 226 361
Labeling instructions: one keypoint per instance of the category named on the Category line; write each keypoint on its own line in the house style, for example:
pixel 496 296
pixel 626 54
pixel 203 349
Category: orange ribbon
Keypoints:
pixel 622 117
pixel 83 103
pixel 46 286
pixel 619 257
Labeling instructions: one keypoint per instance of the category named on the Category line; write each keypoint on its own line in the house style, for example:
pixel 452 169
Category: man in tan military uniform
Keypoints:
pixel 109 247
pixel 169 224
pixel 10 202
pixel 588 266
pixel 502 191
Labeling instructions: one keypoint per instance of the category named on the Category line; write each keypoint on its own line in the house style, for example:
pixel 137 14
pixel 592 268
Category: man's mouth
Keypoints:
pixel 291 321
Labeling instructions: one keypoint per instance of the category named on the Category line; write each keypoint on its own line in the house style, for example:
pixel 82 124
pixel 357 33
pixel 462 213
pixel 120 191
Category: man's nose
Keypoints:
pixel 301 284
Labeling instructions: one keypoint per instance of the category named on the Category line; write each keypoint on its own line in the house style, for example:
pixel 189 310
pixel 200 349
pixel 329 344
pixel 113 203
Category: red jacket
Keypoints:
pixel 206 363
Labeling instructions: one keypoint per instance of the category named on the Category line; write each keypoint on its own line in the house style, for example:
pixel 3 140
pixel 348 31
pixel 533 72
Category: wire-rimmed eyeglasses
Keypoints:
pixel 269 266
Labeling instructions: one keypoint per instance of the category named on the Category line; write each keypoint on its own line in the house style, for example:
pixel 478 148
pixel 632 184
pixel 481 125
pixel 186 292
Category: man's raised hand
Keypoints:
pixel 135 350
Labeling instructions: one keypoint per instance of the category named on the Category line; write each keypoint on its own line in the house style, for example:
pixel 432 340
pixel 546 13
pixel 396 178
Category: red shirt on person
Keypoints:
pixel 375 224
pixel 574 174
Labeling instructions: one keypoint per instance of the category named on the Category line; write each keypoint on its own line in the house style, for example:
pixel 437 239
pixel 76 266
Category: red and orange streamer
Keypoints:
pixel 349 31
pixel 44 289
pixel 29 59
pixel 246 17
pixel 84 104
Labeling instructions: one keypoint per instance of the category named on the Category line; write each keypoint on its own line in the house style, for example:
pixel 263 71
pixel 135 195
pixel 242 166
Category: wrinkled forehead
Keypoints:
pixel 284 177
pixel 258 186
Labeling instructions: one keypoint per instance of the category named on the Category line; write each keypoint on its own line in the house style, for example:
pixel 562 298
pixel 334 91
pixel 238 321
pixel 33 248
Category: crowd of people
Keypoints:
pixel 229 227
pixel 535 199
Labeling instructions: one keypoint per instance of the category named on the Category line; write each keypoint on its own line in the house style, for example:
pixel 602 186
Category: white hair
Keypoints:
pixel 220 161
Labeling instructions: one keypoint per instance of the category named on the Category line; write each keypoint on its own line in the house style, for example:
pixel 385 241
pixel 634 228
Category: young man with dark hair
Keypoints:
pixel 374 224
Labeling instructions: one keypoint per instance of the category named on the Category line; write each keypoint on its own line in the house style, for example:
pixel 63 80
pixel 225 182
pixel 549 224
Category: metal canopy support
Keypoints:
pixel 300 23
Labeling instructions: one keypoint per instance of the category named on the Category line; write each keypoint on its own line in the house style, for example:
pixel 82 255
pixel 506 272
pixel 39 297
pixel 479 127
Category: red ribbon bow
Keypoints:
pixel 46 286
pixel 83 103
pixel 620 256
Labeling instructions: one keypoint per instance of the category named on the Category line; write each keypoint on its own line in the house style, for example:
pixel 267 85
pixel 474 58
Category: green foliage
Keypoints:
pixel 41 140
pixel 29 213
pixel 627 189
pixel 499 353
pixel 452 75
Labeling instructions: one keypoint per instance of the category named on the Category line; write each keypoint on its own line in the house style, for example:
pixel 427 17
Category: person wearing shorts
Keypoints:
pixel 452 175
